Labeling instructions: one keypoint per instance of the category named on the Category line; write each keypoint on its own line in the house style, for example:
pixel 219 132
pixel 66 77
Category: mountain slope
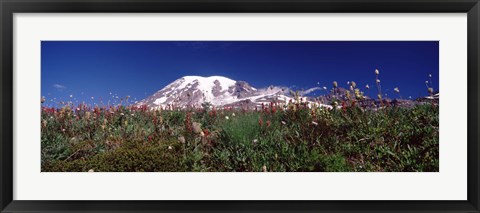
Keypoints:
pixel 195 90
pixel 192 91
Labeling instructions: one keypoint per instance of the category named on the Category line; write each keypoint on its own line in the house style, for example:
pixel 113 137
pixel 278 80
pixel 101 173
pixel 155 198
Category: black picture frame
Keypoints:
pixel 9 7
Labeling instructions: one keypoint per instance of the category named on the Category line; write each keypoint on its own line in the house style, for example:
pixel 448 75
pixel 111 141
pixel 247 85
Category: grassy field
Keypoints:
pixel 290 138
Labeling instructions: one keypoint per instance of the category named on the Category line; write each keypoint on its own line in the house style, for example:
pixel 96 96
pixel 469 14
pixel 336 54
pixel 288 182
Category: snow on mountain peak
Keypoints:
pixel 206 83
pixel 195 90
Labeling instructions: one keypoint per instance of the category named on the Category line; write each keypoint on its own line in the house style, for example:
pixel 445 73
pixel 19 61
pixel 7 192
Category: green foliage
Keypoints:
pixel 275 138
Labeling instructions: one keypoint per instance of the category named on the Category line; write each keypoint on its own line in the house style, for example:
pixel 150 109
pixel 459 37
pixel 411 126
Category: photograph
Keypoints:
pixel 239 106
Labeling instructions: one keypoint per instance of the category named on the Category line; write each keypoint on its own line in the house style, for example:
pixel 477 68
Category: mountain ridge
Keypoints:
pixel 192 91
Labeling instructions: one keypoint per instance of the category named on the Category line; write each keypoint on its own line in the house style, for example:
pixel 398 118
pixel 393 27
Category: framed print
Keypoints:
pixel 239 106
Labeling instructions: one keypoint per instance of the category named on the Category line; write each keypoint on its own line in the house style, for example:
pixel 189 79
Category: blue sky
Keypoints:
pixel 85 69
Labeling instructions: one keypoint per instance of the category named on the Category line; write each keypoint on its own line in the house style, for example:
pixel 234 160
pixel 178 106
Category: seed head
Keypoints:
pixel 197 127
pixel 335 84
pixel 353 84
pixel 377 72
pixel 378 81
pixel 396 89
pixel 181 139
pixel 366 86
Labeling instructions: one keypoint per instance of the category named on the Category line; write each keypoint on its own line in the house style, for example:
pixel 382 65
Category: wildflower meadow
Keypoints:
pixel 352 134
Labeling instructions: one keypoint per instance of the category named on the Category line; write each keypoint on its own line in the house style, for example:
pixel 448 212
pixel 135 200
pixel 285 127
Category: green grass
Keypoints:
pixel 297 139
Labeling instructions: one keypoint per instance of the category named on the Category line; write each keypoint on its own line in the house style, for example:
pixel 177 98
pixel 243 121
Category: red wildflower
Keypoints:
pixel 188 122
pixel 260 122
pixel 265 110
pixel 274 109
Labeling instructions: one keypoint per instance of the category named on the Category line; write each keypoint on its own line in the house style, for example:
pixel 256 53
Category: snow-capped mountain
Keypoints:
pixel 192 91
pixel 219 91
